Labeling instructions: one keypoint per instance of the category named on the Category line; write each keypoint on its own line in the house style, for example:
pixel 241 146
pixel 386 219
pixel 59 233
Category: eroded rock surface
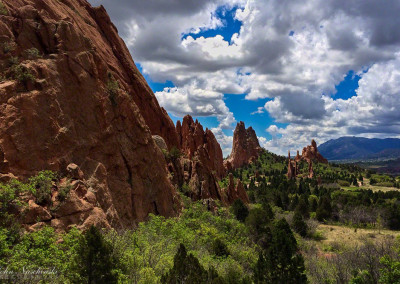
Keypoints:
pixel 245 148
pixel 73 94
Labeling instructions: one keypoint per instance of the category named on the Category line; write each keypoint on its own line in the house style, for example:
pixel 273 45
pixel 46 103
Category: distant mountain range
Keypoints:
pixel 358 148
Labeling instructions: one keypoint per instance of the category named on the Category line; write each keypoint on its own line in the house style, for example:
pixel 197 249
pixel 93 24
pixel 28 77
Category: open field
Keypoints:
pixel 367 185
pixel 347 236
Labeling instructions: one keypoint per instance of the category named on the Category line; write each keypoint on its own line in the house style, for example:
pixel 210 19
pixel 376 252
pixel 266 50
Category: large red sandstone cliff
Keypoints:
pixel 245 147
pixel 72 94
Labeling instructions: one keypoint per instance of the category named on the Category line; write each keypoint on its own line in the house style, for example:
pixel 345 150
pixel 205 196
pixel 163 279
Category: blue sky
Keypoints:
pixel 293 72
pixel 244 110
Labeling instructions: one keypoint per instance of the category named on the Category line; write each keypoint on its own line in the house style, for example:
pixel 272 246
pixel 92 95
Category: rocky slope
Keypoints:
pixel 245 147
pixel 71 93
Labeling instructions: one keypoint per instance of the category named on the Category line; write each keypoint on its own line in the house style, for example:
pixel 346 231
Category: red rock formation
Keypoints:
pixel 195 141
pixel 85 102
pixel 201 164
pixel 245 146
pixel 237 192
pixel 310 153
pixel 292 168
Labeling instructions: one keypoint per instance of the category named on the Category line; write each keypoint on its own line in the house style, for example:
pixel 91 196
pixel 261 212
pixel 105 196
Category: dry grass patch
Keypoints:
pixel 351 237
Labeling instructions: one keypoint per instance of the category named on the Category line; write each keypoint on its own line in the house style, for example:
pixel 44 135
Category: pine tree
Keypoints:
pixel 95 262
pixel 187 269
pixel 280 262
pixel 302 207
pixel 240 210
pixel 324 210
pixel 298 224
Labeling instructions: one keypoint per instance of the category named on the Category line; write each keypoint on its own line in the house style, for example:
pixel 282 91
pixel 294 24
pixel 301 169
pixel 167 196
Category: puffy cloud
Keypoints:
pixel 290 51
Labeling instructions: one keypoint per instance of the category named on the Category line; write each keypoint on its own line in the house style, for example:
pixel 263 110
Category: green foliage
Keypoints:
pixel 186 269
pixel 280 262
pixel 152 246
pixel 32 53
pixel 303 207
pixel 94 262
pixel 9 201
pixel 390 273
pixel 63 191
pixel 22 74
pixel 3 9
pixel 112 89
pixel 298 224
pixel 7 46
pixel 324 209
pixel 219 248
pixel 12 61
pixel 41 250
pixel 173 155
pixel 41 185
pixel 240 210
pixel 258 223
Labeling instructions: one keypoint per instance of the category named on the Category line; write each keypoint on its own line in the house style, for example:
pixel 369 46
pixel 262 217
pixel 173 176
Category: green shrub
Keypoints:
pixel 112 89
pixel 343 183
pixel 22 74
pixel 41 185
pixel 13 60
pixel 8 47
pixel 63 191
pixel 3 9
pixel 32 53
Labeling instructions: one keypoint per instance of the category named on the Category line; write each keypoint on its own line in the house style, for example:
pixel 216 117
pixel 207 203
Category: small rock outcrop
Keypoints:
pixel 72 94
pixel 245 148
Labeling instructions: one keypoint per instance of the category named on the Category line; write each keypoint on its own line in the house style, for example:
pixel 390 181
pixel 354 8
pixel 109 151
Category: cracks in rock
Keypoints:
pixel 128 168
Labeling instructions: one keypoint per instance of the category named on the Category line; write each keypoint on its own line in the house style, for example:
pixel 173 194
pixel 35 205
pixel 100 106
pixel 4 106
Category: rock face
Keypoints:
pixel 73 94
pixel 195 141
pixel 201 164
pixel 245 147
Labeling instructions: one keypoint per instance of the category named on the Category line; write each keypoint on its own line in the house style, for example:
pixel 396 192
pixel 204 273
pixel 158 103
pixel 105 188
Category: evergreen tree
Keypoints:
pixel 302 207
pixel 293 204
pixel 240 210
pixel 324 210
pixel 314 205
pixel 95 262
pixel 298 224
pixel 186 269
pixel 258 222
pixel 280 262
